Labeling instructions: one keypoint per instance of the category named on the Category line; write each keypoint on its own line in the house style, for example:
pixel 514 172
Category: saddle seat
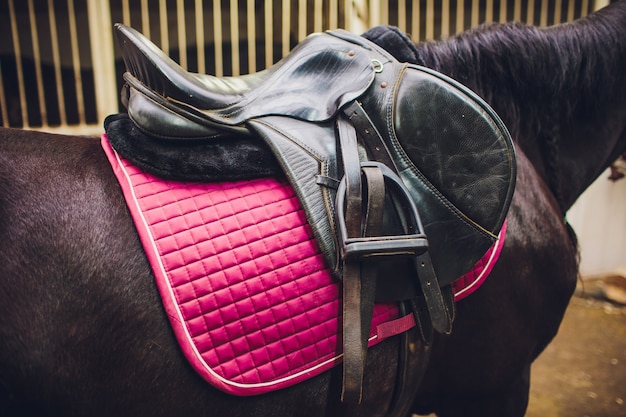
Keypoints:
pixel 404 174
pixel 309 84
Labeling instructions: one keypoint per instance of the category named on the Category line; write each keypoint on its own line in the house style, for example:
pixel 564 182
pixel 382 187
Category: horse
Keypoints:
pixel 83 330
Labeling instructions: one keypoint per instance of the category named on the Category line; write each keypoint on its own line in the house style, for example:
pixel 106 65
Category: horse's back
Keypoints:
pixel 82 328
pixel 65 255
pixel 79 312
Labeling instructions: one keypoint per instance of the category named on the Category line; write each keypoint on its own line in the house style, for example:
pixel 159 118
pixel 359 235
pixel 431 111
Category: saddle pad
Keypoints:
pixel 243 282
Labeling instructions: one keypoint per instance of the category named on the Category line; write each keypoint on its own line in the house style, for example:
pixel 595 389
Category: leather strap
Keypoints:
pixel 369 135
pixel 359 275
pixel 440 317
pixel 359 289
pixel 351 174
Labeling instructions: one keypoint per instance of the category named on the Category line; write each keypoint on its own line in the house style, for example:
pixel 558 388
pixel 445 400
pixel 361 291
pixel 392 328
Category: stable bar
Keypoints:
pixel 56 62
pixel 286 25
pixel 182 33
pixel 269 33
pixel 318 16
pixel 445 18
pixel 415 22
pixel 18 63
pixel 103 58
pixel 199 16
pixel 402 15
pixel 163 27
pixel 333 14
pixel 530 12
pixel 251 33
pixel 234 37
pixel 302 17
pixel 217 36
pixel 475 14
pixel 78 80
pixel 37 63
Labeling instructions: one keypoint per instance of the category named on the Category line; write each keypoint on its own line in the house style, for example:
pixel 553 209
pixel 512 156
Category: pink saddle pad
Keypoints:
pixel 243 282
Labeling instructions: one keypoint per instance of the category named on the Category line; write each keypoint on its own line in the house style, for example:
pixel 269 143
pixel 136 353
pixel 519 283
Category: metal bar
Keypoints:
pixel 460 16
pixel 475 16
pixel 318 16
pixel 368 13
pixel 145 18
pixel 251 27
pixel 359 16
pixel 182 33
pixel 286 27
pixel 557 11
pixel 269 34
pixel 18 64
pixel 430 19
pixel 126 12
pixel 78 80
pixel 584 7
pixel 384 12
pixel 217 36
pixel 164 27
pixel 530 12
pixel 333 12
pixel 415 22
pixel 199 14
pixel 489 11
pixel 517 10
pixel 37 62
pixel 402 15
pixel 570 11
pixel 445 18
pixel 56 60
pixel 102 57
pixel 234 36
pixel 503 10
pixel 302 17
pixel 599 4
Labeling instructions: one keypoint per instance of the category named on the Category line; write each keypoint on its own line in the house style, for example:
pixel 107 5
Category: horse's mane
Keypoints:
pixel 535 74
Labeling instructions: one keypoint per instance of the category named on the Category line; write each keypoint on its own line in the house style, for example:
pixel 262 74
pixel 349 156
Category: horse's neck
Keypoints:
pixel 561 90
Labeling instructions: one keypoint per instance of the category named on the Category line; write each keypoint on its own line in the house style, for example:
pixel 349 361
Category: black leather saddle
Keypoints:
pixel 401 171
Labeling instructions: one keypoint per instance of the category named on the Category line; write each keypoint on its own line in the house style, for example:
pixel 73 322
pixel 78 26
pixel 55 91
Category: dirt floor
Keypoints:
pixel 583 372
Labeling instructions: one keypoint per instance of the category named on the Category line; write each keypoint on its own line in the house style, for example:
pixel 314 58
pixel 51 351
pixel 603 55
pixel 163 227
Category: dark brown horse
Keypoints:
pixel 82 328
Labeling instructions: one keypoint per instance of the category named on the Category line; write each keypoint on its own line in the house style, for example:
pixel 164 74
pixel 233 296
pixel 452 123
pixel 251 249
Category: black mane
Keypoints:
pixel 560 73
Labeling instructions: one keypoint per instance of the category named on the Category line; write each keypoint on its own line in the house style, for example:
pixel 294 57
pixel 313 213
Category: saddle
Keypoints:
pixel 404 174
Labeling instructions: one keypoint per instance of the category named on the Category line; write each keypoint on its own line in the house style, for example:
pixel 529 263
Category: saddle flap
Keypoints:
pixel 453 153
pixel 457 143
pixel 456 154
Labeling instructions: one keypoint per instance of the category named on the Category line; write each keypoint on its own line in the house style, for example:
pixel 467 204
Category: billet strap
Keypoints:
pixel 440 317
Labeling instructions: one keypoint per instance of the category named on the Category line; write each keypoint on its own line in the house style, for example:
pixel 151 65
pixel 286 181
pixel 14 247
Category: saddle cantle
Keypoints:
pixel 394 164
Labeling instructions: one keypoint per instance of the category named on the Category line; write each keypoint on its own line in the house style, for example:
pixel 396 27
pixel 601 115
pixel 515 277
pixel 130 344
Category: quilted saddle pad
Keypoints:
pixel 243 282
